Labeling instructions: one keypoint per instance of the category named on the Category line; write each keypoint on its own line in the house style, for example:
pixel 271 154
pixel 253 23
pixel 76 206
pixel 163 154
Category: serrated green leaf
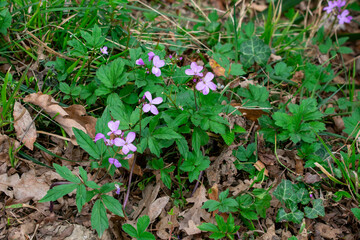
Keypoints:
pixel 142 223
pixel 211 205
pixel 166 133
pixel 254 50
pixel 154 146
pixel 129 230
pixel 237 70
pixel 107 187
pixel 208 227
pixel 66 173
pixel 58 191
pixel 356 212
pixel 83 174
pixel 111 75
pixel 80 197
pixel 113 205
pixel 99 220
pixel 250 215
pixel 86 143
pixel 352 126
pixel 92 184
pixel 217 235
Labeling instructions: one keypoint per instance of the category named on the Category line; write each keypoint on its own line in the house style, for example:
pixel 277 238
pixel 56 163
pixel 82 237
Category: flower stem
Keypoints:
pixel 195 100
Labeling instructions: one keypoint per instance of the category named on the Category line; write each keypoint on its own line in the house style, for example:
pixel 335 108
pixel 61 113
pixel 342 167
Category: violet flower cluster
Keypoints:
pixel 205 84
pixel 157 63
pixel 117 139
pixel 335 7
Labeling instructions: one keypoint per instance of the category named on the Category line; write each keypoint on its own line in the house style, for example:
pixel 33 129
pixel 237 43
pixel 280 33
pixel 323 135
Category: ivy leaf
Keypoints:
pixel 58 191
pixel 99 220
pixel 317 210
pixel 295 216
pixel 284 190
pixel 66 173
pixel 303 196
pixel 254 50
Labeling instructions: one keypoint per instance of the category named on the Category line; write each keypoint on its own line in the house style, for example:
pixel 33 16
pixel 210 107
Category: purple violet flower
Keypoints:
pixel 114 161
pixel 205 84
pixel 129 156
pixel 114 128
pixel 343 17
pixel 157 65
pixel 104 49
pixel 170 56
pixel 126 144
pixel 109 142
pixel 150 106
pixel 117 189
pixel 195 70
pixel 339 3
pixel 140 62
pixel 151 55
pixel 330 7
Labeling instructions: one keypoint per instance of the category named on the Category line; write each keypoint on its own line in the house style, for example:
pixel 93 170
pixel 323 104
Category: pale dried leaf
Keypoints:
pixel 24 126
pixel 312 178
pixel 156 207
pixel 73 116
pixel 167 224
pixel 5 145
pixel 326 231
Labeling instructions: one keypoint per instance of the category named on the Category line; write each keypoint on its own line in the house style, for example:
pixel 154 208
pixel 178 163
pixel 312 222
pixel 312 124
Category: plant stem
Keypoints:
pixel 195 99
pixel 197 183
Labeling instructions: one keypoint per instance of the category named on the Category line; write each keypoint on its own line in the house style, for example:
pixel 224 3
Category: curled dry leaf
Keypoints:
pixel 217 69
pixel 73 116
pixel 260 166
pixel 24 126
pixel 250 113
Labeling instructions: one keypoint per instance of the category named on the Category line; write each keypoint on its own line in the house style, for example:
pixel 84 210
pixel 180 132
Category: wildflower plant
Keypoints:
pixel 335 7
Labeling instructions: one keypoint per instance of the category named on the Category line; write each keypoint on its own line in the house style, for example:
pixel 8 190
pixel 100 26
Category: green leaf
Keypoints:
pixel 356 212
pixel 208 227
pixel 107 187
pixel 92 184
pixel 58 191
pixel 284 190
pixel 211 205
pixel 83 174
pixel 228 137
pixel 303 196
pixel 129 230
pixel 86 143
pixel 199 138
pixel 250 215
pixel 352 126
pixel 66 173
pixel 65 88
pixel 142 223
pixel 111 75
pixel 217 235
pixel 254 50
pixel 237 70
pixel 154 146
pixel 5 21
pixel 146 236
pixel 294 216
pixel 80 196
pixel 317 210
pixel 166 133
pixel 113 205
pixel 99 220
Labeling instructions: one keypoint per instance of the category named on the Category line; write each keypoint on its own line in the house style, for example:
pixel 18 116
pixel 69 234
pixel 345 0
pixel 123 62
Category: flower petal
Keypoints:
pixel 206 90
pixel 139 62
pixel 199 69
pixel 151 55
pixel 146 107
pixel 99 136
pixel 112 160
pixel 158 63
pixel 147 94
pixel 199 74
pixel 117 132
pixel 193 66
pixel 200 86
pixel 208 77
pixel 119 142
pixel 158 74
pixel 132 147
pixel 113 126
pixel 125 149
pixel 189 72
pixel 156 71
pixel 154 110
pixel 117 163
pixel 157 100
pixel 211 85
pixel 130 137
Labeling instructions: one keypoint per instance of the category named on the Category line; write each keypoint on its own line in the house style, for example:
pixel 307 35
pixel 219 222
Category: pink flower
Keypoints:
pixel 205 84
pixel 114 128
pixel 99 136
pixel 343 18
pixel 151 55
pixel 150 106
pixel 103 50
pixel 109 142
pixel 140 62
pixel 114 161
pixel 128 156
pixel 157 65
pixel 126 144
pixel 339 3
pixel 195 70
pixel 117 189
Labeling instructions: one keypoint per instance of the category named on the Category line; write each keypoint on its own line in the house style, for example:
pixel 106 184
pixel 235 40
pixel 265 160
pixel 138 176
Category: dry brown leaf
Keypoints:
pixel 5 144
pixel 217 69
pixel 167 224
pixel 192 216
pixel 29 186
pixel 260 166
pixel 258 7
pixel 250 113
pixel 148 196
pixel 299 166
pixel 156 207
pixel 214 195
pixel 298 77
pixel 326 231
pixel 24 126
pixel 311 178
pixel 270 234
pixel 73 116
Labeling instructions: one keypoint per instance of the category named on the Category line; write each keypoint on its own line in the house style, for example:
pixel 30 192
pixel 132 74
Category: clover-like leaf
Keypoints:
pixel 316 211
pixel 254 50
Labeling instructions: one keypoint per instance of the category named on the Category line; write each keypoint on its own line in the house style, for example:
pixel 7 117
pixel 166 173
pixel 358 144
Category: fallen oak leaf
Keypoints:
pixel 24 126
pixel 73 116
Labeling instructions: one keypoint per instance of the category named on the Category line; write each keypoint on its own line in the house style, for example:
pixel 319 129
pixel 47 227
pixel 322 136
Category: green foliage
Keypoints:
pixel 158 164
pixel 194 163
pixel 5 20
pixel 352 124
pixel 246 158
pixel 291 195
pixel 255 96
pixel 254 50
pixel 223 205
pixel 140 231
pixel 222 229
pixel 301 123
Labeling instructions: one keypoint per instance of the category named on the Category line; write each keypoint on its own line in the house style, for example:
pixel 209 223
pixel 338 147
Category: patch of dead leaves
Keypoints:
pixel 24 126
pixel 5 144
pixel 73 116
